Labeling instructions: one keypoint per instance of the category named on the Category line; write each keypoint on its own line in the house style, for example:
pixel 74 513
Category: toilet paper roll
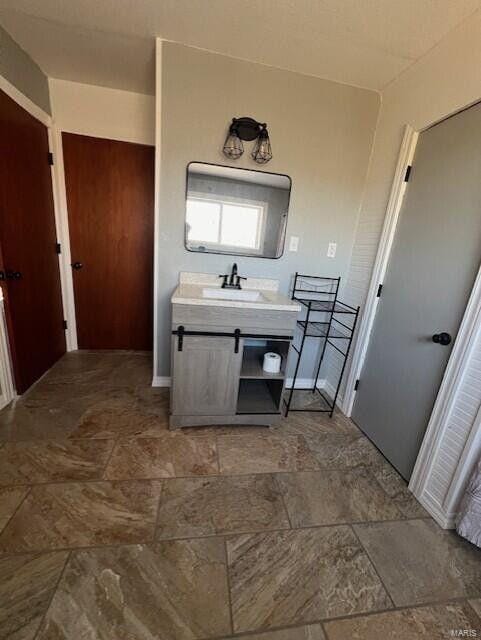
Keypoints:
pixel 272 362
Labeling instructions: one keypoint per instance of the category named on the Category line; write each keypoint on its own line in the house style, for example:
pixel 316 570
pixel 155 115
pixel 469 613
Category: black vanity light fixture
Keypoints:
pixel 248 129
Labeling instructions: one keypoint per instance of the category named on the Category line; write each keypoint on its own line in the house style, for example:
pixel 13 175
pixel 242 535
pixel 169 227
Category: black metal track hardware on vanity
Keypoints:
pixel 237 334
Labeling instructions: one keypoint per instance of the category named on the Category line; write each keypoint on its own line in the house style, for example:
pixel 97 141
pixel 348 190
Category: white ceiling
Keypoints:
pixel 366 43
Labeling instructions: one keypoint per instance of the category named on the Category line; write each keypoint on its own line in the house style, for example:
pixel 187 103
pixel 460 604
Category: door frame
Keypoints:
pixel 7 389
pixel 63 237
pixel 64 226
pixel 398 189
pixel 464 348
pixel 6 372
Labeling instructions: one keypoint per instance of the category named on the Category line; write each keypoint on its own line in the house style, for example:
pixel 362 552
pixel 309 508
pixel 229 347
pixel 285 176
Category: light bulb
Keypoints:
pixel 233 147
pixel 262 152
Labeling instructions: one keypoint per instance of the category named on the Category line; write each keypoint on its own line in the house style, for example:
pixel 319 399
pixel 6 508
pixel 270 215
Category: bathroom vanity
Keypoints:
pixel 219 338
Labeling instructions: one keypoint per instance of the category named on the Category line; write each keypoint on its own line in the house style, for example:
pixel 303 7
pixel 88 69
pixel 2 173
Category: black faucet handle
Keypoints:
pixel 225 276
pixel 238 279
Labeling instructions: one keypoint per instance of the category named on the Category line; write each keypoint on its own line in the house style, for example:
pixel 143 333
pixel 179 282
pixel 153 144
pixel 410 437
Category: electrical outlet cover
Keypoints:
pixel 331 250
pixel 294 243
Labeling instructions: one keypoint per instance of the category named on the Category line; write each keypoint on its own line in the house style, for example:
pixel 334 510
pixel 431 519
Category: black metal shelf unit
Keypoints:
pixel 334 328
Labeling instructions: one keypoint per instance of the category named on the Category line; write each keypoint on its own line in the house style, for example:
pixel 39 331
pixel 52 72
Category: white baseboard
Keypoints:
pixel 302 383
pixel 161 381
pixel 432 506
pixel 305 383
pixel 331 391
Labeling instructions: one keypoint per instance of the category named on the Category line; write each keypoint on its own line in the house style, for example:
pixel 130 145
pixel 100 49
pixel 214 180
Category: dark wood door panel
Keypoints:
pixel 28 237
pixel 110 197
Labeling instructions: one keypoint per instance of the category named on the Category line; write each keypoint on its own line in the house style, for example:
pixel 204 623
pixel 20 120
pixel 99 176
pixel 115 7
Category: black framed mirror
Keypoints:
pixel 236 211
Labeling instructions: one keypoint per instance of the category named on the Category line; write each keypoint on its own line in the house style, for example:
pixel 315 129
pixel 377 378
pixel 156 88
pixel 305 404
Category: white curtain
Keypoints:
pixel 469 519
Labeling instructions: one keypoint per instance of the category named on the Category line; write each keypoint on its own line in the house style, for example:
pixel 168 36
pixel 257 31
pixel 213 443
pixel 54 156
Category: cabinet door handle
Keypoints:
pixel 237 333
pixel 180 338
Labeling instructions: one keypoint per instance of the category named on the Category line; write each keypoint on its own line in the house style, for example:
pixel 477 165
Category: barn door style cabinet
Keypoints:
pixel 218 348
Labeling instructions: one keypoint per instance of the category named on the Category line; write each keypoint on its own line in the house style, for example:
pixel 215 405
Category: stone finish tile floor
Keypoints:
pixel 114 528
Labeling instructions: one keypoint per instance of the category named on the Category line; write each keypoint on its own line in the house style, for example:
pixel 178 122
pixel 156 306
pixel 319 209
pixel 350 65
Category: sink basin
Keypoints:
pixel 232 294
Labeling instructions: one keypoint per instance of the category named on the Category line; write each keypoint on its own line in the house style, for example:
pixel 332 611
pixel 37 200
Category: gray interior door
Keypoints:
pixel 431 271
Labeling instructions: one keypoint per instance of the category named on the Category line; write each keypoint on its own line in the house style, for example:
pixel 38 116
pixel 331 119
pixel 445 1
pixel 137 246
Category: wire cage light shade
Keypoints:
pixel 233 147
pixel 262 151
pixel 248 129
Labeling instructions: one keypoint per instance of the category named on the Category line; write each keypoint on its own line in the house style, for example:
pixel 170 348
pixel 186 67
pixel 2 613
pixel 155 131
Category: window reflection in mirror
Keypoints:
pixel 236 211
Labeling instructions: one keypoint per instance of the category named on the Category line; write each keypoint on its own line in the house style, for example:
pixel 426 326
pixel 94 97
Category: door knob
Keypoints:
pixel 442 338
pixel 77 265
pixel 12 275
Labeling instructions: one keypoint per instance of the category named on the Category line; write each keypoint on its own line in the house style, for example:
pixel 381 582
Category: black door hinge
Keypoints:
pixel 65 326
pixel 50 158
pixel 408 173
pixel 379 289
pixel 356 385
pixel 58 248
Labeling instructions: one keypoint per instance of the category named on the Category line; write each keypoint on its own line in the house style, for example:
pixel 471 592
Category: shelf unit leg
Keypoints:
pixel 296 370
pixel 323 351
pixel 345 361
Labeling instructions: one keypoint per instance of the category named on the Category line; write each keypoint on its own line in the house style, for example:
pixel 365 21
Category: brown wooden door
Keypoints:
pixel 110 197
pixel 28 238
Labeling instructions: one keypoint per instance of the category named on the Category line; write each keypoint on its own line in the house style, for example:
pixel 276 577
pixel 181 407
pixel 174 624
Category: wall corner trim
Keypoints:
pixel 157 198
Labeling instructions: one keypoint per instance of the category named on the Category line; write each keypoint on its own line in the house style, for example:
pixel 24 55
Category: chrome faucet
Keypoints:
pixel 232 281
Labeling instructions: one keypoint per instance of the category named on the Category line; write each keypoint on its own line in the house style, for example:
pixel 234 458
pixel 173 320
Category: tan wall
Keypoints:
pixel 19 69
pixel 102 112
pixel 321 134
pixel 447 79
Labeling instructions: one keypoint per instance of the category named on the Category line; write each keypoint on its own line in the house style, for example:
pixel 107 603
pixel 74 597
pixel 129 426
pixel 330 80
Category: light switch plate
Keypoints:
pixel 331 249
pixel 294 243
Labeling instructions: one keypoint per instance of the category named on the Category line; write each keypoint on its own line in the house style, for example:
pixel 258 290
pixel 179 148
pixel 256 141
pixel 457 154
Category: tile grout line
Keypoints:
pixel 405 607
pixel 29 490
pixel 157 514
pixel 323 630
pixel 229 586
pixel 352 527
pixel 54 591
pixel 217 453
pixel 324 621
pixel 109 458
pixel 217 534
pixel 468 600
pixel 383 490
pixel 275 433
pixel 284 503
pixel 205 475
pixel 221 536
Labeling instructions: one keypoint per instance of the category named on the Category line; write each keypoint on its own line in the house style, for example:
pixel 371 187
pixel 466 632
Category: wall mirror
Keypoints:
pixel 236 211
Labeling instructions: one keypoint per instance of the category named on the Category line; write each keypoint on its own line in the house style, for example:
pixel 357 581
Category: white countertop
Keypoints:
pixel 191 286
